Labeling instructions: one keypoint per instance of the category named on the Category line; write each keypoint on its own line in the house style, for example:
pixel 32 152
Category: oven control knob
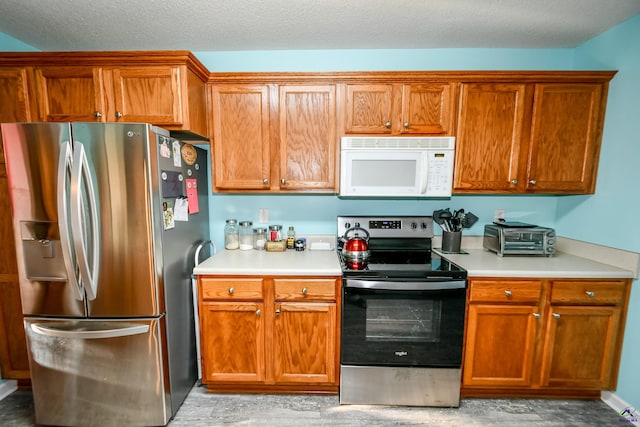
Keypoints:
pixel 347 225
pixel 357 225
pixel 424 226
pixel 414 225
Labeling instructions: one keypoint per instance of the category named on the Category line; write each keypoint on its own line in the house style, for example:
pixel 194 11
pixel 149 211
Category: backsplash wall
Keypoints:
pixel 316 214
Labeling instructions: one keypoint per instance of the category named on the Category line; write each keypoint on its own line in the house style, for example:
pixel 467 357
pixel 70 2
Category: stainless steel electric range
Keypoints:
pixel 403 311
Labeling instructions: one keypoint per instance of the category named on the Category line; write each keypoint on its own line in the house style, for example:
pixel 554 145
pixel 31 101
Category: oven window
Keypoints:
pixel 383 173
pixel 403 319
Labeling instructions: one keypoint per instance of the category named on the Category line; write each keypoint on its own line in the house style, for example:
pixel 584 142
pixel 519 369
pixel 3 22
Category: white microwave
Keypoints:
pixel 396 166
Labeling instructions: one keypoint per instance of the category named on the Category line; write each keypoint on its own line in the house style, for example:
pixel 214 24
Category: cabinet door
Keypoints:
pixel 500 345
pixel 427 109
pixel 305 343
pixel 70 94
pixel 489 138
pixel 232 341
pixel 14 363
pixel 147 94
pixel 369 109
pixel 308 138
pixel 14 101
pixel 240 121
pixel 565 138
pixel 580 347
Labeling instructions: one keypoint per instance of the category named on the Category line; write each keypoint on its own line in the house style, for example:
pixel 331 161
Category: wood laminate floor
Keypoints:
pixel 203 409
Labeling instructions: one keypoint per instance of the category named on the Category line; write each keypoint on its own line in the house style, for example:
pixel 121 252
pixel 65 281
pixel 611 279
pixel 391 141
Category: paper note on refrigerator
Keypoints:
pixel 181 210
pixel 177 159
pixel 192 195
pixel 167 216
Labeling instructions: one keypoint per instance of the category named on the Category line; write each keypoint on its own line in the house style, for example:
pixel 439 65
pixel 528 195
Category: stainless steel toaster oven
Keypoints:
pixel 519 239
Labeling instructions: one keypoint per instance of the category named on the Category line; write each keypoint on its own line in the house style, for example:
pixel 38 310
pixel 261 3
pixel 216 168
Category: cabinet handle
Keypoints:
pixel 118 114
pixel 590 294
pixel 283 181
pixel 265 181
pixel 533 182
pixel 514 181
pixel 230 291
pixel 406 125
pixel 258 312
pixel 97 114
pixel 278 312
pixel 387 124
pixel 508 293
pixel 556 315
pixel 304 291
pixel 536 315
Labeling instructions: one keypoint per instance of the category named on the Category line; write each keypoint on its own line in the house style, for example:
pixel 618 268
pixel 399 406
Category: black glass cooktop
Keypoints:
pixel 398 264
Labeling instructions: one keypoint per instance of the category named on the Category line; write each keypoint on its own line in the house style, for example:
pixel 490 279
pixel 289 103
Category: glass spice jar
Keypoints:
pixel 246 235
pixel 259 238
pixel 231 237
pixel 275 233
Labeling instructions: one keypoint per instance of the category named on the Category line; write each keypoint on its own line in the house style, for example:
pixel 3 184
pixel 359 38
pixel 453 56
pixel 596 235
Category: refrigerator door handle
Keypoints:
pixel 79 173
pixel 52 331
pixel 64 165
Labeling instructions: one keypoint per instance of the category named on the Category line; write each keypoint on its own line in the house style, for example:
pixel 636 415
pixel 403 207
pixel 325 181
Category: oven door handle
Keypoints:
pixel 406 286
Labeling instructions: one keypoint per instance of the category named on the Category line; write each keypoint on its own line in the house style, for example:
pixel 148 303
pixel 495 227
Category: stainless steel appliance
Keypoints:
pixel 518 238
pixel 396 167
pixel 107 218
pixel 402 317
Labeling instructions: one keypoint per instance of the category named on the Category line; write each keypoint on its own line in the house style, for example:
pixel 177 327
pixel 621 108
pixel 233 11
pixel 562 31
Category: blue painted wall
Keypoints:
pixel 610 217
pixel 10 44
pixel 581 217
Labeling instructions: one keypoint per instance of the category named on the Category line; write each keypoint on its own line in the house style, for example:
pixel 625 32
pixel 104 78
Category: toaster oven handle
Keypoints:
pixel 406 286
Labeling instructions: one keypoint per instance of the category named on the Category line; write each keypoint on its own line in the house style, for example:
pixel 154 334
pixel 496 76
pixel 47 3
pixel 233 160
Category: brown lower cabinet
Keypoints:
pixel 543 337
pixel 270 333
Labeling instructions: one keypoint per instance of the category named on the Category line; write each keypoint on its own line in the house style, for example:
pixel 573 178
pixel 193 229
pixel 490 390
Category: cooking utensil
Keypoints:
pixel 436 217
pixel 446 216
pixel 468 220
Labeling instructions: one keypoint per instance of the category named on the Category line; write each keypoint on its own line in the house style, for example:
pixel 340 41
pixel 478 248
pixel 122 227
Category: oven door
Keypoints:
pixel 403 323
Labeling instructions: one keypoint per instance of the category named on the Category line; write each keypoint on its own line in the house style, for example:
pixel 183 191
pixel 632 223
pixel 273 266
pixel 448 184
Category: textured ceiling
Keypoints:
pixel 221 25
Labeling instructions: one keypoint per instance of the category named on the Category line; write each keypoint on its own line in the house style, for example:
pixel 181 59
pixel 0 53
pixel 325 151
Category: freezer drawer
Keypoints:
pixel 98 373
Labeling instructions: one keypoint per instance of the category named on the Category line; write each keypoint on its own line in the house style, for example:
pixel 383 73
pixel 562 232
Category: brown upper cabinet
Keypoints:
pixel 240 137
pixel 163 88
pixel 399 108
pixel 274 137
pixel 517 132
pixel 530 136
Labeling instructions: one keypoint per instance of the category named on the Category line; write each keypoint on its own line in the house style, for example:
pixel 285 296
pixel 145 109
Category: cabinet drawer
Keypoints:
pixel 505 291
pixel 226 289
pixel 305 289
pixel 591 292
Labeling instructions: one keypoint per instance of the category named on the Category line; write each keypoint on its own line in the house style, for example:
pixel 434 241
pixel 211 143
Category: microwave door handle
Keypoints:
pixel 64 167
pixel 424 176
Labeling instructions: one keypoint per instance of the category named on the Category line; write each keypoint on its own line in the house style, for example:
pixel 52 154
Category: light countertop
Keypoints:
pixel 263 263
pixel 572 263
pixel 482 263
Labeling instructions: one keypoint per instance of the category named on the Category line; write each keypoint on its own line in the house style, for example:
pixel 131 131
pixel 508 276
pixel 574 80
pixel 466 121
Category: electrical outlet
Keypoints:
pixel 263 215
pixel 498 215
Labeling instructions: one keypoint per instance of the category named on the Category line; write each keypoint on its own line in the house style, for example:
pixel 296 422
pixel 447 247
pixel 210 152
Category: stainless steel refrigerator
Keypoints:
pixel 107 218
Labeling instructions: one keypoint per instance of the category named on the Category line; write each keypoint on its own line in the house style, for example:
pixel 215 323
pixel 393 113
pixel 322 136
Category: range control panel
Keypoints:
pixel 391 227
